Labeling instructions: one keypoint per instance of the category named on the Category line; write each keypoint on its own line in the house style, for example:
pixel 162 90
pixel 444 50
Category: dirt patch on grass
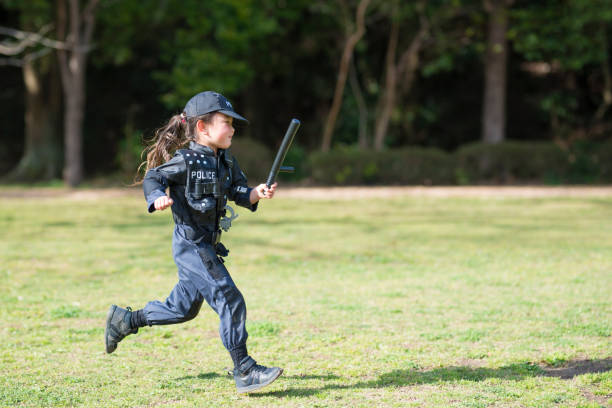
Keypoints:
pixel 343 193
pixel 599 399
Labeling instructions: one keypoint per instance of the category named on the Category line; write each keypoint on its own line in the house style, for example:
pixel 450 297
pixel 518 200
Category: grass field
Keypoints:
pixel 404 301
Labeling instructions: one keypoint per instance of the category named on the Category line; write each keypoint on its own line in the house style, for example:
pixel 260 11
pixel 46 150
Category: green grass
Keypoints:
pixel 414 301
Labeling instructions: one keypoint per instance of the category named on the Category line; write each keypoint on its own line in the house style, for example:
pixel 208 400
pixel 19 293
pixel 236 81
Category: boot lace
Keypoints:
pixel 256 368
pixel 259 368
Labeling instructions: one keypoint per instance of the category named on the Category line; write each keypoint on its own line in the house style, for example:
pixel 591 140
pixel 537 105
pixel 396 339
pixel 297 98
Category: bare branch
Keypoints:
pixel 27 39
pixel 19 62
pixel 22 35
pixel 14 48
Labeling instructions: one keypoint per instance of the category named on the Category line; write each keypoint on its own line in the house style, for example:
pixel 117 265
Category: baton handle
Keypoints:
pixel 282 151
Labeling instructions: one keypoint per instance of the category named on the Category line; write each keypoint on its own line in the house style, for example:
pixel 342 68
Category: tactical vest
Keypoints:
pixel 207 183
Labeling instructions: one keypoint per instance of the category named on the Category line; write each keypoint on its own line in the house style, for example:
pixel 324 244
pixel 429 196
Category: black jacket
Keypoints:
pixel 173 174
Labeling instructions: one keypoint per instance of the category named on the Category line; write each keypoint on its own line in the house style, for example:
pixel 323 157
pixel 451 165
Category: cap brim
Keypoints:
pixel 233 115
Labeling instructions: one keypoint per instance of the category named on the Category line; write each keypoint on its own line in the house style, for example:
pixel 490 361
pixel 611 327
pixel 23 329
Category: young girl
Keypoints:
pixel 201 176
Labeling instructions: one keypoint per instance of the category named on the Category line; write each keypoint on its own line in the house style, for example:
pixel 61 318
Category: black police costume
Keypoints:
pixel 200 183
pixel 195 245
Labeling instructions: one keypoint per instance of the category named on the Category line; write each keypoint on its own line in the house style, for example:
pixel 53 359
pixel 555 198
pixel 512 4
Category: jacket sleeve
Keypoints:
pixel 158 179
pixel 240 192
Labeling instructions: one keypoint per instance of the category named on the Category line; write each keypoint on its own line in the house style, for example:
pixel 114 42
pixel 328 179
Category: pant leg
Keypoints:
pixel 200 271
pixel 182 304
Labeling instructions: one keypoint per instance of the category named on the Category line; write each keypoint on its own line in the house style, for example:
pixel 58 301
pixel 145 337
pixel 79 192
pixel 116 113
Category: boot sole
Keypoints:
pixel 109 318
pixel 256 387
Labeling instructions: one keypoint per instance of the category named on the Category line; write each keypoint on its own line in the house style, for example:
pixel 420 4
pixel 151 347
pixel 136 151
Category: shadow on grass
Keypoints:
pixel 210 375
pixel 578 367
pixel 401 378
pixel 312 377
pixel 201 376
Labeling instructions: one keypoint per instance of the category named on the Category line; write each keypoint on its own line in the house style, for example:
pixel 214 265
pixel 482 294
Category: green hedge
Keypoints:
pixel 590 162
pixel 350 166
pixel 254 158
pixel 511 162
pixel 603 160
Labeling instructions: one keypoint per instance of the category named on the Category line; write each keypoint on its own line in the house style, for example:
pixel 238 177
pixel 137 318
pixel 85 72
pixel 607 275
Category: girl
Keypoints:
pixel 201 179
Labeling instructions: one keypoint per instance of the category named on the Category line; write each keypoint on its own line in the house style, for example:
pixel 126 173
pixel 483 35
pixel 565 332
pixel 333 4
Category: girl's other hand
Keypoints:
pixel 163 202
pixel 264 192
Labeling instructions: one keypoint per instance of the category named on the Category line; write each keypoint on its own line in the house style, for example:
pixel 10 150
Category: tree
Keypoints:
pixel 355 30
pixel 75 26
pixel 245 49
pixel 399 70
pixel 562 43
pixel 494 98
pixel 74 32
pixel 423 38
pixel 31 51
pixel 212 46
pixel 42 156
pixel 362 140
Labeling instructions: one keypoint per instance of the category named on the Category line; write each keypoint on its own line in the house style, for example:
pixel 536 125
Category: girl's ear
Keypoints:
pixel 201 126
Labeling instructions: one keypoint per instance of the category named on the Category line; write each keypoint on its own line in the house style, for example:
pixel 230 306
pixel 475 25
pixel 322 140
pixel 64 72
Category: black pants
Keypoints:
pixel 202 276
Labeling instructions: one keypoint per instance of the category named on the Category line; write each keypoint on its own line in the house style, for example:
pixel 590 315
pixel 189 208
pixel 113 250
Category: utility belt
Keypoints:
pixel 208 237
pixel 212 238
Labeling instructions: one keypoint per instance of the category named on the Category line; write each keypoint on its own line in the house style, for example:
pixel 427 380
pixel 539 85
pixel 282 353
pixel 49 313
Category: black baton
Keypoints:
pixel 282 151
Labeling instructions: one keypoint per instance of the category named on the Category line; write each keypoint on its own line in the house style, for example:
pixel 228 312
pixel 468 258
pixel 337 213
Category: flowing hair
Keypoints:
pixel 177 133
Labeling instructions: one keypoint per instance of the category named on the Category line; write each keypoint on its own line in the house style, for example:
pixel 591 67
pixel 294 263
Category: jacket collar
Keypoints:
pixel 203 149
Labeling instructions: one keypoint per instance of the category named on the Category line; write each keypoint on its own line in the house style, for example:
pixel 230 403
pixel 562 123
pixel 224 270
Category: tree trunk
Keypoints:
pixel 41 159
pixel 361 106
pixel 388 97
pixel 605 70
pixel 73 131
pixel 406 68
pixel 73 63
pixel 494 100
pixel 349 46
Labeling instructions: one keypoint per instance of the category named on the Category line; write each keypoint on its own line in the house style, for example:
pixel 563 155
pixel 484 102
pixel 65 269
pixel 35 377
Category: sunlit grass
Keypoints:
pixel 411 301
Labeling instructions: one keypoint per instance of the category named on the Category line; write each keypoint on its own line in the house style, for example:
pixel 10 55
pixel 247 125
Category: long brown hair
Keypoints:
pixel 177 133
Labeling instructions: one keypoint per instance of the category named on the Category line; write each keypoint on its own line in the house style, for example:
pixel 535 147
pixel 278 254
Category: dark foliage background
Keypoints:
pixel 277 60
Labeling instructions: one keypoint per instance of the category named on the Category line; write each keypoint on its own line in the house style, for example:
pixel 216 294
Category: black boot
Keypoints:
pixel 250 376
pixel 118 325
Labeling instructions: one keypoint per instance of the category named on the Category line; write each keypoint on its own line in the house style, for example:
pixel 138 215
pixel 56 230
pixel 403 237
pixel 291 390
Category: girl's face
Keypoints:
pixel 218 133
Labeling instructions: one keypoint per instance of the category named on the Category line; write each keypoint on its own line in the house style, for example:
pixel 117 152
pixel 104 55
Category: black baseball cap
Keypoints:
pixel 207 102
